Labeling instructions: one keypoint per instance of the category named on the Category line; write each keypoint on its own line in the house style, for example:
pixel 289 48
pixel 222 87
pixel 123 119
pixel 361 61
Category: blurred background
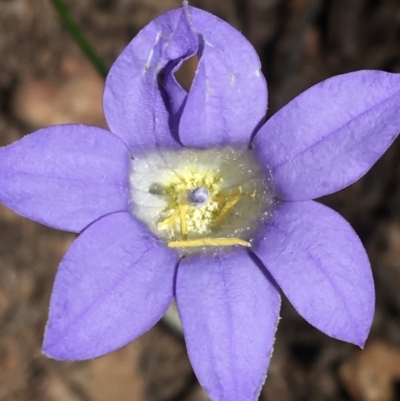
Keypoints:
pixel 45 79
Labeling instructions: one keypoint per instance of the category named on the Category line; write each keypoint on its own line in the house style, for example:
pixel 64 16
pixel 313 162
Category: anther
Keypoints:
pixel 232 199
pixel 208 242
pixel 157 189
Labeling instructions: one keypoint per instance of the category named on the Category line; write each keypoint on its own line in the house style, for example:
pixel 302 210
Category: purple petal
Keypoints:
pixel 229 310
pixel 228 97
pixel 135 105
pixel 114 283
pixel 331 135
pixel 319 262
pixel 65 176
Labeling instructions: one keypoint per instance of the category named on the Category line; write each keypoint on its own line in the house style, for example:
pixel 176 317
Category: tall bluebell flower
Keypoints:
pixel 185 197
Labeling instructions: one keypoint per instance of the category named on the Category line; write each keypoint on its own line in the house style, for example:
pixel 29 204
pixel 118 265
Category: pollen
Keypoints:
pixel 198 199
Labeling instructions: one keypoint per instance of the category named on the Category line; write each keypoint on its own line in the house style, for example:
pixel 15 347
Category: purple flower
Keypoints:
pixel 173 202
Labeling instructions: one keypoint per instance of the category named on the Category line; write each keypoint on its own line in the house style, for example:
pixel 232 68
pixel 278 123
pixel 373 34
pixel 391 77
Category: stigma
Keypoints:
pixel 200 199
pixel 199 195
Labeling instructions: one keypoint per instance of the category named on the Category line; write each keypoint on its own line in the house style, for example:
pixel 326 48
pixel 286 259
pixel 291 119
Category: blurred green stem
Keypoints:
pixel 80 38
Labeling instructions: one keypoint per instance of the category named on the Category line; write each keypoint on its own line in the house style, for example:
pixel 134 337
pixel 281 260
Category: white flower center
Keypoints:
pixel 195 199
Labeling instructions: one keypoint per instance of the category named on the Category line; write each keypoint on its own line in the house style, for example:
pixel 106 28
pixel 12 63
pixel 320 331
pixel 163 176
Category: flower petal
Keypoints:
pixel 331 135
pixel 229 310
pixel 135 105
pixel 228 97
pixel 319 262
pixel 114 283
pixel 65 176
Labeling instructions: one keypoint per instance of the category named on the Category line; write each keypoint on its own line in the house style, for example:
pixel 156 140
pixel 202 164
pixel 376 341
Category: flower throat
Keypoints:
pixel 194 199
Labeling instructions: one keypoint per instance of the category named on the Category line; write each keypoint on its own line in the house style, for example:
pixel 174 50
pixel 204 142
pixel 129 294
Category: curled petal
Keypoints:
pixel 330 135
pixel 114 283
pixel 135 104
pixel 320 264
pixel 229 310
pixel 228 96
pixel 65 176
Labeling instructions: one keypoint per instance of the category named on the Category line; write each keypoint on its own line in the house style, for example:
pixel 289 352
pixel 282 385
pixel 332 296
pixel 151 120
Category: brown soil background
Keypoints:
pixel 45 79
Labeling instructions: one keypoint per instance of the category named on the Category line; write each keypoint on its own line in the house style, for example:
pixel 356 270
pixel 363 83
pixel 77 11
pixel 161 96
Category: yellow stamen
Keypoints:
pixel 170 221
pixel 219 198
pixel 228 206
pixel 233 198
pixel 184 231
pixel 208 242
